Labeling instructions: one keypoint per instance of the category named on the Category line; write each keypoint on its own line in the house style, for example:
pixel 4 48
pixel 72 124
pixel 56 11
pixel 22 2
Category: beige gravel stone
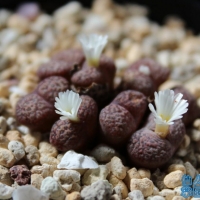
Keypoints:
pixel 93 175
pixel 45 170
pixel 5 176
pixel 117 182
pixel 3 142
pixel 190 170
pixel 167 194
pixel 173 179
pixel 178 198
pixel 32 155
pixel 144 173
pixel 47 149
pixel 73 196
pixel 3 125
pixel 32 139
pixel 117 168
pixel 7 159
pixel 14 135
pixel 174 167
pixel 131 173
pixel 144 185
pixel 36 180
pixel 48 160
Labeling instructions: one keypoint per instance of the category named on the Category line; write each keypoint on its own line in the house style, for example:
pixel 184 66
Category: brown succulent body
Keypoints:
pixel 64 63
pixel 147 149
pixel 117 124
pixel 66 134
pixel 135 80
pixel 33 111
pixel 135 102
pixel 20 174
pixel 49 88
pixel 193 109
pixel 158 73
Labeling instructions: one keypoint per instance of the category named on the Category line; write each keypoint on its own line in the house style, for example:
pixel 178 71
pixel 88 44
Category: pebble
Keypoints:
pixel 47 149
pixel 155 198
pixel 144 185
pixel 5 176
pixel 36 180
pixel 52 188
pixel 173 179
pixel 99 190
pixel 5 191
pixel 93 175
pixel 7 159
pixel 4 142
pixel 32 155
pixel 167 194
pixel 17 148
pixel 190 170
pixel 73 196
pixel 136 194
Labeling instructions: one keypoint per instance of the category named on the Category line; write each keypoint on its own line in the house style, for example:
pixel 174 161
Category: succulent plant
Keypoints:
pixel 77 125
pixel 154 144
pixel 145 76
pixel 122 116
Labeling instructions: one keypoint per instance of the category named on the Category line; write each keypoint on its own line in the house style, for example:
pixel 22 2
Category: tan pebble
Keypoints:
pixel 4 91
pixel 11 123
pixel 193 86
pixel 32 139
pixel 117 182
pixel 174 167
pixel 48 160
pixel 45 170
pixel 32 155
pixel 134 53
pixel 93 175
pixel 196 124
pixel 169 84
pixel 190 170
pixel 186 142
pixel 69 179
pixel 117 168
pixel 3 125
pixel 173 179
pixel 7 159
pixel 47 149
pixel 115 197
pixel 19 23
pixel 14 135
pixel 73 196
pixel 195 135
pixel 17 148
pixel 144 185
pixel 167 194
pixel 36 180
pixel 144 173
pixel 131 173
pixel 155 190
pixel 117 191
pixel 4 142
pixel 178 198
pixel 5 176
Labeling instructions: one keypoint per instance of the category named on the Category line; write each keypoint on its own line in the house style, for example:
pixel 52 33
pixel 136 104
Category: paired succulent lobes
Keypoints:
pixel 153 145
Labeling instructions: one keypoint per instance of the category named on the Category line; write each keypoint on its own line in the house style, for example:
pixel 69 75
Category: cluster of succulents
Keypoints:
pixel 81 84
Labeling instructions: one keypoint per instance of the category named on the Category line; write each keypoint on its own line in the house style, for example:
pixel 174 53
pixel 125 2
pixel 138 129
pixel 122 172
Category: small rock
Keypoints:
pixel 93 175
pixel 173 179
pixel 5 191
pixel 103 153
pixel 99 190
pixel 36 180
pixel 7 159
pixel 5 176
pixel 30 192
pixel 17 148
pixel 52 188
pixel 180 198
pixel 117 168
pixel 190 170
pixel 174 167
pixel 73 196
pixel 167 194
pixel 155 198
pixel 3 125
pixel 136 194
pixel 144 185
pixel 73 160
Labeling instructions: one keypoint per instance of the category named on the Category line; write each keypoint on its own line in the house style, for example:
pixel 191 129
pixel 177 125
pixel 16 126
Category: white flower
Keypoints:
pixel 144 69
pixel 169 107
pixel 67 104
pixel 93 46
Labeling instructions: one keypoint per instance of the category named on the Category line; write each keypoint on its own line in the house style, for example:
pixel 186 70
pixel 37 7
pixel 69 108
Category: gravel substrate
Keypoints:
pixel 29 40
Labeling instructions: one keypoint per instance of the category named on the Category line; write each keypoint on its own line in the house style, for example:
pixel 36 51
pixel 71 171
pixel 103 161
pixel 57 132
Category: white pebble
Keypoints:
pixel 5 191
pixel 136 194
pixel 17 148
pixel 28 192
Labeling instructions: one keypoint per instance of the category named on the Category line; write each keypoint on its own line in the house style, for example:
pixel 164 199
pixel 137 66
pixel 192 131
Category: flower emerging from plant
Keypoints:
pixel 67 104
pixel 169 107
pixel 93 46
